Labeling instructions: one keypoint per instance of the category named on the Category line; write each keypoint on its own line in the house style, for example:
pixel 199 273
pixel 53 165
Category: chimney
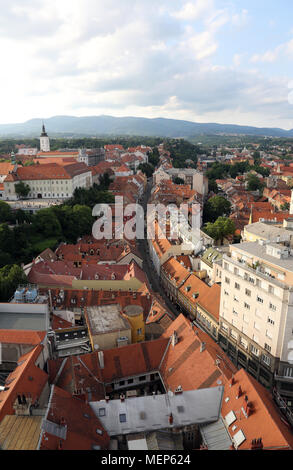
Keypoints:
pixel 179 390
pixel 256 444
pixel 62 421
pixel 232 381
pixel 202 346
pixel 248 409
pixel 239 392
pixel 174 339
pixel 101 359
pixel 171 419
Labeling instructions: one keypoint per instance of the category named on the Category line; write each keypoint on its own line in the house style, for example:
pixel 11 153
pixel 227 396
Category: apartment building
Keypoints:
pixel 256 312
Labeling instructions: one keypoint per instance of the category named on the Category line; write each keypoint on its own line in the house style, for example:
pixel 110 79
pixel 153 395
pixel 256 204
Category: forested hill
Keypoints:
pixel 59 126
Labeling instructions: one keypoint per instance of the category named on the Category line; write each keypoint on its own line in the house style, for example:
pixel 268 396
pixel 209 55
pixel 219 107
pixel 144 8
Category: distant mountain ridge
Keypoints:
pixel 63 126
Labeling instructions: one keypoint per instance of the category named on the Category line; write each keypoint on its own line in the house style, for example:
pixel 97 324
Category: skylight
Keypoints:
pixel 239 438
pixel 230 418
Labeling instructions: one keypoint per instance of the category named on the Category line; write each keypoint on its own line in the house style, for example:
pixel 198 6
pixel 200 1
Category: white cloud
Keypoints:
pixel 85 57
pixel 240 19
pixel 194 10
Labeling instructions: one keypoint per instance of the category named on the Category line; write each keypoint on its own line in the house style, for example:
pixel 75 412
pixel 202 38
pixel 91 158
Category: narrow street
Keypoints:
pixel 148 266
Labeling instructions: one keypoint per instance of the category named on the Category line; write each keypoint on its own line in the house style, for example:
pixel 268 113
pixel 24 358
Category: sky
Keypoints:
pixel 225 61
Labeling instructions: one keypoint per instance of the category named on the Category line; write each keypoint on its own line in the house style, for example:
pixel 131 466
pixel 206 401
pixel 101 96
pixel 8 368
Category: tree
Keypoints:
pixel 10 278
pixel 261 170
pixel 256 158
pixel 22 189
pixel 254 183
pixel 285 206
pixel 154 157
pixel 217 206
pixel 84 220
pixel 105 181
pixel 147 169
pixel 178 180
pixel 47 224
pixel 220 229
pixel 213 186
pixel 6 214
pixel 6 239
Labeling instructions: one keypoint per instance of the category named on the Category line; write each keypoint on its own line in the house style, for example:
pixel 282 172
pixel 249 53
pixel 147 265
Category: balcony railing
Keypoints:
pixel 283 378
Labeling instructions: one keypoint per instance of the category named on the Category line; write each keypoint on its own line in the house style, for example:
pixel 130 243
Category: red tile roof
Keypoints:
pixel 185 365
pixel 48 171
pixel 265 420
pixel 84 430
pixel 27 379
pixel 22 337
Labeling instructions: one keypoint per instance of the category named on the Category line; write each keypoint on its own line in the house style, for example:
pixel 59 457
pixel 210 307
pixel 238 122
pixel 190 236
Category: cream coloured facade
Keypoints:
pixel 256 312
pixel 49 187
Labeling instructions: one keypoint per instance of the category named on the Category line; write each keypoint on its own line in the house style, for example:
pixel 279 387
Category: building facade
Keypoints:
pixel 256 312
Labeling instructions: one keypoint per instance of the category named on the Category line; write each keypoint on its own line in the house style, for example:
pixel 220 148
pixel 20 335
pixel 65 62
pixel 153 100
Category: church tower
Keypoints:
pixel 44 141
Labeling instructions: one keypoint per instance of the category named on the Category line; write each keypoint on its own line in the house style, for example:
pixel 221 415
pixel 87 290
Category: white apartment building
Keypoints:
pixel 256 312
pixel 48 181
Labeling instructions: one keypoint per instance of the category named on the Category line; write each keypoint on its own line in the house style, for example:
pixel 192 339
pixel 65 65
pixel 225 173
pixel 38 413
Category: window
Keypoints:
pixel 235 298
pixel 273 307
pixel 245 319
pixel 271 289
pixel 122 418
pixel 224 327
pixel 226 293
pixel 139 331
pixel 248 292
pixel 247 306
pixel 122 382
pixel 258 283
pixel 288 372
pixel 236 271
pixel 259 299
pixel 234 311
pixel 254 350
pixel 267 347
pixel 227 280
pixel 233 334
pixel 237 286
pixel 130 381
pixel 269 334
pixel 271 321
pixel 258 313
pixel 142 378
pixel 102 412
pixel 266 359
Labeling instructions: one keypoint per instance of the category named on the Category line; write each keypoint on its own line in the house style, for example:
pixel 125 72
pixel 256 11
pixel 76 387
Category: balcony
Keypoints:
pixel 256 273
pixel 283 378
